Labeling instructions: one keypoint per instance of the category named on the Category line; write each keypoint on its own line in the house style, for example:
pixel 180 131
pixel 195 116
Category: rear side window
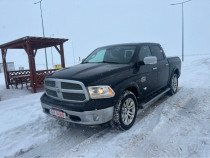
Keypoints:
pixel 157 51
pixel 144 52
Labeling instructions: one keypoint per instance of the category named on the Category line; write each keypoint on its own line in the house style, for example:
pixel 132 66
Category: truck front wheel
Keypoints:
pixel 125 111
pixel 173 84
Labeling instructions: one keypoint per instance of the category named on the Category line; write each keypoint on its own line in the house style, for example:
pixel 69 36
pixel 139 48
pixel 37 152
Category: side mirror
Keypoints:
pixel 150 60
pixel 83 60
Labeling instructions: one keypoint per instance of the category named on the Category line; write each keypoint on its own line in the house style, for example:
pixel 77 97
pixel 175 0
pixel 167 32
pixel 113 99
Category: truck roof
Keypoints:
pixel 130 44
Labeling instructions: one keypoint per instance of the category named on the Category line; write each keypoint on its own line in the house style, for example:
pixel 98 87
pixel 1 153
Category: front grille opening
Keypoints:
pixel 73 96
pixel 50 83
pixel 75 118
pixel 51 93
pixel 73 86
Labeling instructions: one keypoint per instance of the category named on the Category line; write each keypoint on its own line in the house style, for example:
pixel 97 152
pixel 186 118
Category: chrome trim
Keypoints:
pixel 147 104
pixel 59 90
pixel 150 60
pixel 154 68
pixel 94 117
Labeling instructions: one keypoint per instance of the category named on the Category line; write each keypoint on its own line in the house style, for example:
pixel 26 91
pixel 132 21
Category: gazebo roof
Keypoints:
pixel 31 45
pixel 35 42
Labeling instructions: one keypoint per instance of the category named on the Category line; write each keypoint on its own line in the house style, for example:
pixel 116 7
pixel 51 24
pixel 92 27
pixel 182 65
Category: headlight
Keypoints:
pixel 97 92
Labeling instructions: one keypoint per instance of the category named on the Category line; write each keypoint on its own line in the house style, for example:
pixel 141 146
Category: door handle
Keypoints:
pixel 154 68
pixel 167 64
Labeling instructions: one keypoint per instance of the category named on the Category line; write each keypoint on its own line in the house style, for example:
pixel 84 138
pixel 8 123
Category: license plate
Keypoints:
pixel 57 113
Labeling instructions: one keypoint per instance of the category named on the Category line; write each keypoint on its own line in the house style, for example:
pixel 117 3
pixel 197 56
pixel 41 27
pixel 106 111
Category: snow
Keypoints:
pixel 195 72
pixel 175 126
pixel 11 93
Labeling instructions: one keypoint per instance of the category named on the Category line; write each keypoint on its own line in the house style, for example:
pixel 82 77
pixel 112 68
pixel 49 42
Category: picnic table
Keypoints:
pixel 20 79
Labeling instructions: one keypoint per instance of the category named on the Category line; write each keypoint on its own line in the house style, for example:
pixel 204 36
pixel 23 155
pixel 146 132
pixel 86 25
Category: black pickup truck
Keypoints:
pixel 111 84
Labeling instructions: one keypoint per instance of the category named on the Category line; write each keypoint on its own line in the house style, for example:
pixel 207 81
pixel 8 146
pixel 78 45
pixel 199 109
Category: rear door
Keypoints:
pixel 147 75
pixel 162 65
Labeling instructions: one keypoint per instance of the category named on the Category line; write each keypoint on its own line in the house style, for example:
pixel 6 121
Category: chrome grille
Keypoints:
pixel 50 83
pixel 73 96
pixel 51 92
pixel 67 90
pixel 74 86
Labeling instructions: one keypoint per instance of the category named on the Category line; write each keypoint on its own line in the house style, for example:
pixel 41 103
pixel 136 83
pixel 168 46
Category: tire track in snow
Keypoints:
pixel 73 137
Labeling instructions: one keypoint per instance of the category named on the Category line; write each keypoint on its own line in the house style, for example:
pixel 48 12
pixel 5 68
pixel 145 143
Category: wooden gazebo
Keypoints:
pixel 31 45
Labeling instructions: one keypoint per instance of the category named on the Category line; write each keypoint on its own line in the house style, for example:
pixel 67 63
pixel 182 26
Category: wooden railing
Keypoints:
pixel 13 74
pixel 25 76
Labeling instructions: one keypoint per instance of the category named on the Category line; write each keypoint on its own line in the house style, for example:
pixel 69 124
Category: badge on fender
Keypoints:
pixel 143 79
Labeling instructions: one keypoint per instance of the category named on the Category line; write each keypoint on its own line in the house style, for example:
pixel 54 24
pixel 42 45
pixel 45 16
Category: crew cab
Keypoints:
pixel 111 84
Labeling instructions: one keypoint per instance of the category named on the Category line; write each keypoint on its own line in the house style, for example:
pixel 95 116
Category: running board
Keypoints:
pixel 147 104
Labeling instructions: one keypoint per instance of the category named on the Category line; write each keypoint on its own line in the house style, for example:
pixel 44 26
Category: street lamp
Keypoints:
pixel 182 3
pixel 51 50
pixel 40 2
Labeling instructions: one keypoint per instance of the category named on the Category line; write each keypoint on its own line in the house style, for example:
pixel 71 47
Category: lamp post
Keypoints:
pixel 51 50
pixel 40 2
pixel 182 3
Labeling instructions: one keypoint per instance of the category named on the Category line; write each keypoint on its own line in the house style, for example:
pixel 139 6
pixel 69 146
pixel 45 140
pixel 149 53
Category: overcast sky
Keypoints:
pixel 89 24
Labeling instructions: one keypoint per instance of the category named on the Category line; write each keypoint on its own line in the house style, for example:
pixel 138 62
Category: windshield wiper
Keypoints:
pixel 112 62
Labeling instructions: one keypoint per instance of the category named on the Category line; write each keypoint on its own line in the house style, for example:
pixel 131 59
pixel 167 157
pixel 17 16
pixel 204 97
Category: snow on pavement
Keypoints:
pixel 10 93
pixel 23 124
pixel 176 126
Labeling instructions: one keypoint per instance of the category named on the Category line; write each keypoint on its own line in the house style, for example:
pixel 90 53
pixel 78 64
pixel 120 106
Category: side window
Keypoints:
pixel 144 52
pixel 157 51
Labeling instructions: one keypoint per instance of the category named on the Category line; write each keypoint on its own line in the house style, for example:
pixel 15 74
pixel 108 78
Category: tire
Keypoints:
pixel 125 111
pixel 173 85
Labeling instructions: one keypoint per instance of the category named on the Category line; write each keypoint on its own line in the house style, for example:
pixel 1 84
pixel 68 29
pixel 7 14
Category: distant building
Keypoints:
pixel 10 67
pixel 21 68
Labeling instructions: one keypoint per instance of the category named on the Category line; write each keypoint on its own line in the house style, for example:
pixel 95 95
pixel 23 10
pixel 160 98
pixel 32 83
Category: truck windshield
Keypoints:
pixel 114 54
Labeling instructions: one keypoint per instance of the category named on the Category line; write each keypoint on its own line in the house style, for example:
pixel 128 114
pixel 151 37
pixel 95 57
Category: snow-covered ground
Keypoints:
pixel 177 126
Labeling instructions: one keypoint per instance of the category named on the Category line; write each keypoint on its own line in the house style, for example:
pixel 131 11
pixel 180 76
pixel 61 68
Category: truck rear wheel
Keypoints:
pixel 125 111
pixel 173 84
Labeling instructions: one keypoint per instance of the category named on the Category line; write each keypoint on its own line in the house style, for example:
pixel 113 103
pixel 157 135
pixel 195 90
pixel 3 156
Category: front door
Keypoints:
pixel 147 75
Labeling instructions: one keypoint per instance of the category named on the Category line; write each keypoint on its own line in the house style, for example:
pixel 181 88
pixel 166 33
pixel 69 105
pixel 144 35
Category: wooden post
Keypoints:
pixel 4 54
pixel 62 56
pixel 32 66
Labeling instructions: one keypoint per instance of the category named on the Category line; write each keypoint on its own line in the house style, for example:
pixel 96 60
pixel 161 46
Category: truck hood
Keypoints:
pixel 89 72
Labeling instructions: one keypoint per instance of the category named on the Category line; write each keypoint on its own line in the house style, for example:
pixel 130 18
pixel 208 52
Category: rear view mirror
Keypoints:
pixel 150 60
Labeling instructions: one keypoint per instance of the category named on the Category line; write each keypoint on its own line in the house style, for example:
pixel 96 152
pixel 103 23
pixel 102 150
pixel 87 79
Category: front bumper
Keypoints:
pixel 94 117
